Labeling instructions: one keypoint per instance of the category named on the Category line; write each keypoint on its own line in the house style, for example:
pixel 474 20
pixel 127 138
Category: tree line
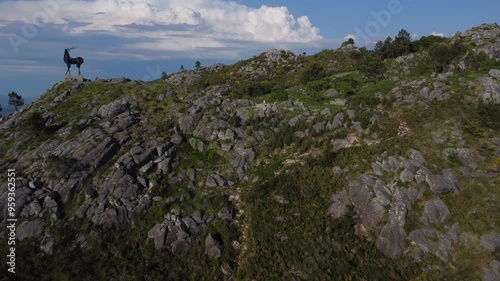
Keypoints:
pixel 441 52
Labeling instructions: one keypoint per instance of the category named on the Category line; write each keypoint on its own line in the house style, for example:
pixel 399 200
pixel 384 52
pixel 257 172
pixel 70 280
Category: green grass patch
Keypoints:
pixel 192 158
pixel 366 95
pixel 298 241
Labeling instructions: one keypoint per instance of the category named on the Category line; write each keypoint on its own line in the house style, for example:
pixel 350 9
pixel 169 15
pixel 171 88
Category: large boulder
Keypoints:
pixel 184 78
pixel 339 206
pixel 494 73
pixel 96 147
pixel 442 184
pixel 47 244
pixel 491 242
pixel 424 238
pixel 30 229
pixel 213 246
pixel 391 241
pixel 179 233
pixel 186 123
pixel 491 90
pixel 435 212
pixel 113 218
pixel 122 185
pixel 158 233
pixel 370 208
pixel 491 273
pixel 295 120
pixel 117 107
pixel 226 213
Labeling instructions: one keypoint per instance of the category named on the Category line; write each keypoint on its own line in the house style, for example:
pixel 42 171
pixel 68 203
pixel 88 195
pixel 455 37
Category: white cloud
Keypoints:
pixel 438 34
pixel 218 19
pixel 415 35
pixel 350 36
pixel 26 67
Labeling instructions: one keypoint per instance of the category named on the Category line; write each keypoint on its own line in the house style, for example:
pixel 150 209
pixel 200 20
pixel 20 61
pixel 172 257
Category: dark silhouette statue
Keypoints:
pixel 69 61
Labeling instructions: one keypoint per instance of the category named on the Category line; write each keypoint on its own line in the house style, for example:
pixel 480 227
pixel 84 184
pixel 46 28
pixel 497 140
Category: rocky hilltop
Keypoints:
pixel 281 166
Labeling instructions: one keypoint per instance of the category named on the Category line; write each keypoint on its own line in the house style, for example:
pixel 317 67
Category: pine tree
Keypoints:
pixel 15 100
pixel 379 49
pixel 389 50
pixel 197 65
pixel 402 42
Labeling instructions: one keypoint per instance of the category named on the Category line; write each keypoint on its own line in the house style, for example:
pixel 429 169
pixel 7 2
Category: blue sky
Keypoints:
pixel 141 38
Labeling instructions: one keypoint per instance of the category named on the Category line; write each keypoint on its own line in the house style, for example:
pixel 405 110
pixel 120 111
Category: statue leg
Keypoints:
pixel 68 71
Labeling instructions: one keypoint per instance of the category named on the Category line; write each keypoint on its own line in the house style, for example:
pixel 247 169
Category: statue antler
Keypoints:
pixel 69 49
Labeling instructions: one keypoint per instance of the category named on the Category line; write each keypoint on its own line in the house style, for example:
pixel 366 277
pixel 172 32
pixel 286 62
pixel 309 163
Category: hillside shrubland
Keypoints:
pixel 348 164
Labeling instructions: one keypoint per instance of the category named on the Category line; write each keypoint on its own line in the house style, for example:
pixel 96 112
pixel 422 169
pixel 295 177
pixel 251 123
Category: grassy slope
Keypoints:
pixel 294 241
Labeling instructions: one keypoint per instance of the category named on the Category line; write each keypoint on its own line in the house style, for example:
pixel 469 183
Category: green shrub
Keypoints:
pixel 212 78
pixel 319 85
pixel 316 97
pixel 475 60
pixel 426 42
pixel 422 67
pixel 252 89
pixel 36 125
pixel 372 67
pixel 347 85
pixel 443 54
pixel 279 95
pixel 60 166
pixel 489 115
pixel 312 73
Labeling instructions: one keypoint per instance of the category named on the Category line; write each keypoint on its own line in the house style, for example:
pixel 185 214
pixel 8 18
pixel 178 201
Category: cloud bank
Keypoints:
pixel 166 25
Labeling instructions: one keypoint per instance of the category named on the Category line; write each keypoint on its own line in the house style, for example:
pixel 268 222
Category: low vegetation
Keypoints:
pixel 399 97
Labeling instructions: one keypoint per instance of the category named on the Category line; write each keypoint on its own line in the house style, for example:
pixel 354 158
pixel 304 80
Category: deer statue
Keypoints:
pixel 69 60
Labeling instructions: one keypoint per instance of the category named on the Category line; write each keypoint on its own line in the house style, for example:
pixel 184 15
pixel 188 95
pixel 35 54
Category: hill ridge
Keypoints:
pixel 279 166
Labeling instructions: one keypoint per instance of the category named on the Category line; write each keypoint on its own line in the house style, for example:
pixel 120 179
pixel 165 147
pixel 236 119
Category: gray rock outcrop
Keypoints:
pixel 491 90
pixel 391 241
pixel 30 229
pixel 113 218
pixel 178 233
pixel 213 246
pixel 435 212
pixel 117 107
pixel 491 272
pixel 491 242
pixel 339 206
pixel 226 213
pixel 442 184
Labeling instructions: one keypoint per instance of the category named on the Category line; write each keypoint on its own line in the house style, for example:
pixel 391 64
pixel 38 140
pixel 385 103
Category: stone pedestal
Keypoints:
pixel 69 78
